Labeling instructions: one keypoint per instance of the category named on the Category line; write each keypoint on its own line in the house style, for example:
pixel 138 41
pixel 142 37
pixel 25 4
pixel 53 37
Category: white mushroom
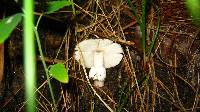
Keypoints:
pixel 98 54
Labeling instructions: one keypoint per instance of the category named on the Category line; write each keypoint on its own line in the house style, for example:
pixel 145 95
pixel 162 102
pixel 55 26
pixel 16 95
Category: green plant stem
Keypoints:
pixel 155 36
pixel 73 8
pixel 142 23
pixel 134 12
pixel 143 27
pixel 29 56
pixel 43 62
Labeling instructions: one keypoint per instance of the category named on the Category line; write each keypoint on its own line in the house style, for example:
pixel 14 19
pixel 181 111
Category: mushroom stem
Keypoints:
pixel 98 71
pixel 99 83
pixel 98 59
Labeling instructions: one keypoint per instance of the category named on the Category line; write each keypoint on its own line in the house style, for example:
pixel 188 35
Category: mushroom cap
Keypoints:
pixel 112 52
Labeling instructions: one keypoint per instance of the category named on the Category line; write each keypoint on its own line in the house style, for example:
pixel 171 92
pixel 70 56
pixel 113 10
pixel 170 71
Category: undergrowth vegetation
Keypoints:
pixel 159 71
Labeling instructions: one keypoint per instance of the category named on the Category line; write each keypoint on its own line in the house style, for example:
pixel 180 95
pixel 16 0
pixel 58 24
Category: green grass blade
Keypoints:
pixel 142 22
pixel 155 36
pixel 143 26
pixel 134 11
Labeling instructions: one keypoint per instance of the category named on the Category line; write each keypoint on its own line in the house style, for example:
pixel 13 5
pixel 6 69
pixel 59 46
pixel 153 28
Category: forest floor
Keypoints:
pixel 167 80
